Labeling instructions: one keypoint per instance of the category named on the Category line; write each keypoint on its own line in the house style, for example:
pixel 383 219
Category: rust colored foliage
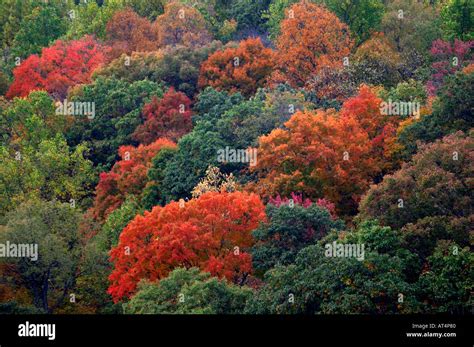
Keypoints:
pixel 211 232
pixel 312 38
pixel 128 176
pixel 127 32
pixel 239 69
pixel 169 118
pixel 181 25
pixel 379 48
pixel 326 154
pixel 59 67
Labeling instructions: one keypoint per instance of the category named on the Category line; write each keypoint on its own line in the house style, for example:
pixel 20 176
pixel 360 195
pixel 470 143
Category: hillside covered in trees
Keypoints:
pixel 236 157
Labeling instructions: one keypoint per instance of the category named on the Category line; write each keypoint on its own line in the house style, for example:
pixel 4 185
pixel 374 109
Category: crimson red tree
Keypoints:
pixel 128 176
pixel 211 232
pixel 169 118
pixel 59 67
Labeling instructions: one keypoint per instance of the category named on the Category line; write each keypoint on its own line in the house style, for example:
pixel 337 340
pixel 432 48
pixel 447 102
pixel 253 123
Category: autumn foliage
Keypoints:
pixel 434 183
pixel 312 38
pixel 241 69
pixel 128 176
pixel 211 232
pixel 365 108
pixel 169 118
pixel 59 67
pixel 181 25
pixel 127 32
pixel 326 154
pixel 378 47
pixel 447 59
pixel 199 156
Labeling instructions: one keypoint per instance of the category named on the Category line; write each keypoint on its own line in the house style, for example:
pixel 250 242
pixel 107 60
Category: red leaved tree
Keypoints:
pixel 448 58
pixel 169 118
pixel 212 232
pixel 365 107
pixel 59 67
pixel 128 176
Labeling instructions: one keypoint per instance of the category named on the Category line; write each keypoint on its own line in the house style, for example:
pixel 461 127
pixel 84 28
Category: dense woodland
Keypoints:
pixel 200 156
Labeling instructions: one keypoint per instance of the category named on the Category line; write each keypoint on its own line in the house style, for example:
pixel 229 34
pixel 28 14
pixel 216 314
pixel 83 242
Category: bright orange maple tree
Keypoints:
pixel 381 129
pixel 241 69
pixel 128 176
pixel 312 38
pixel 328 154
pixel 212 232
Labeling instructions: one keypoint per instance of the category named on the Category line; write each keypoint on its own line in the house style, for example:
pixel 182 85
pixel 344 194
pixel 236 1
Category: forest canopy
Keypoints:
pixel 231 157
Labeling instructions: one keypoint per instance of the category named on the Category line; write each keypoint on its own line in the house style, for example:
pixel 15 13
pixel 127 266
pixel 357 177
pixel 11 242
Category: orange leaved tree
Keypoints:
pixel 328 154
pixel 312 39
pixel 241 69
pixel 212 232
pixel 366 108
pixel 127 32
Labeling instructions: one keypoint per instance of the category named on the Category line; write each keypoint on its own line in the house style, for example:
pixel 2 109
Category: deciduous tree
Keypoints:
pixel 189 291
pixel 212 232
pixel 168 118
pixel 290 228
pixel 127 177
pixel 411 25
pixel 312 38
pixel 37 30
pixel 452 111
pixel 328 154
pixel 243 69
pixel 53 227
pixel 127 32
pixel 448 58
pixel 47 169
pixel 118 105
pixel 181 24
pixel 434 183
pixel 362 16
pixel 377 61
pixel 318 284
pixel 59 67
pixel 457 22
